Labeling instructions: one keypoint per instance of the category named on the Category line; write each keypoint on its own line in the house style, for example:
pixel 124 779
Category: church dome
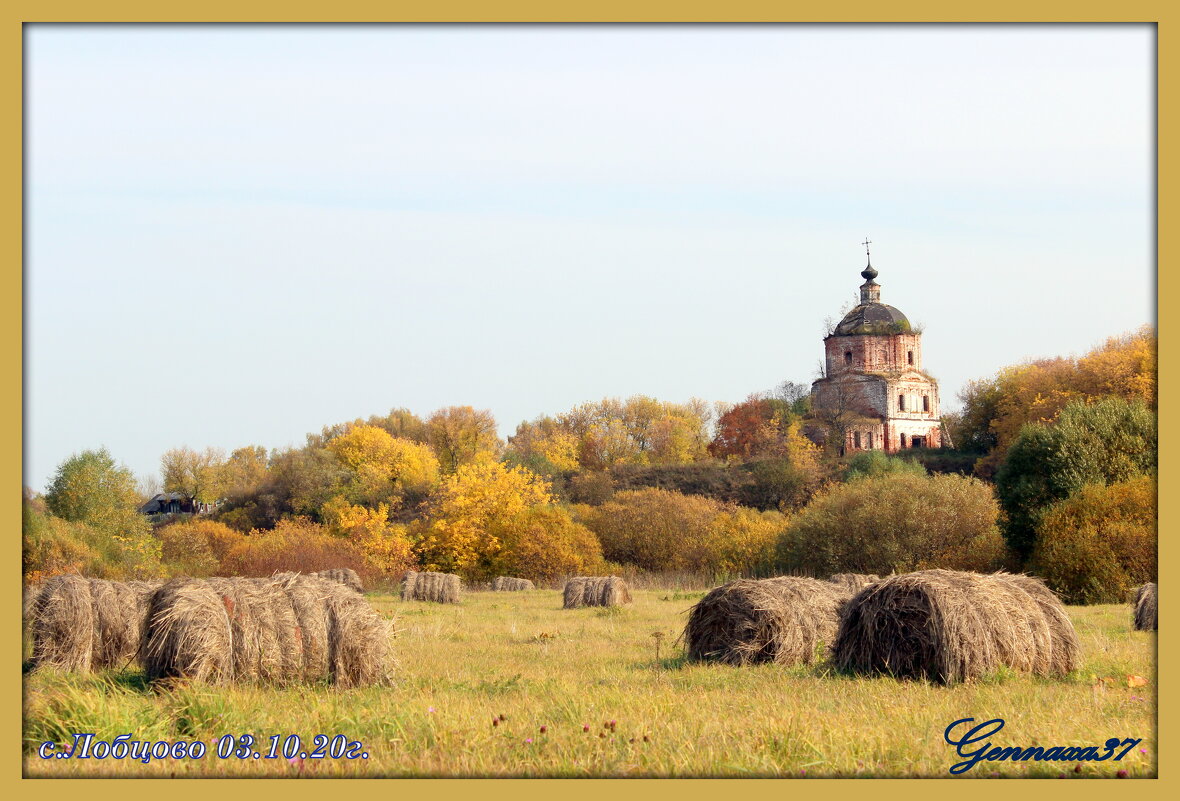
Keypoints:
pixel 873 318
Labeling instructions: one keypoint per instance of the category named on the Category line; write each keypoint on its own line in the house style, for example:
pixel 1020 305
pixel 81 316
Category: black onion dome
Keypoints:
pixel 873 318
pixel 869 273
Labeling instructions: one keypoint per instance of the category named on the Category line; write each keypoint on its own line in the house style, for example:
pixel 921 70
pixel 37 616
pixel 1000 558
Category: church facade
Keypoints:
pixel 874 393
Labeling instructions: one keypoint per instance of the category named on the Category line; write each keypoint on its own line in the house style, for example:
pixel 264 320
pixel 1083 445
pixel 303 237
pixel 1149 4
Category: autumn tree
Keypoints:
pixel 384 468
pixel 196 475
pixel 460 435
pixel 459 530
pixel 542 543
pixel 1103 442
pixel 995 410
pixel 543 446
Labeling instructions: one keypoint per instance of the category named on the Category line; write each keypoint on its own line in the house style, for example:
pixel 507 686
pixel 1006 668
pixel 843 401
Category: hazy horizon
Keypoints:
pixel 236 235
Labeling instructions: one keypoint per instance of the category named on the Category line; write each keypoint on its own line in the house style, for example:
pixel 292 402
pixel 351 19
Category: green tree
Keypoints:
pixel 1103 442
pixel 90 487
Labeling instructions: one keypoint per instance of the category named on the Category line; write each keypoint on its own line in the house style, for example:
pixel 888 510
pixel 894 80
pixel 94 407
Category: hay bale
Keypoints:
pixel 574 592
pixel 509 584
pixel 1144 616
pixel 87 624
pixel 346 576
pixel 62 624
pixel 949 626
pixel 278 630
pixel 854 582
pixel 439 588
pixel 783 620
pixel 595 591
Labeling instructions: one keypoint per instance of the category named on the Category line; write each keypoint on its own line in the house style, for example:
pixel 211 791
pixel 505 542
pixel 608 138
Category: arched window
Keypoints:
pixel 856 439
pixel 909 355
pixel 848 357
pixel 901 403
pixel 925 403
pixel 903 440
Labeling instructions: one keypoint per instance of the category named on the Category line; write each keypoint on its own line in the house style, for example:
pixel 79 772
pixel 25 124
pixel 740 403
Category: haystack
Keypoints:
pixel 948 626
pixel 784 620
pixel 1144 614
pixel 509 584
pixel 87 624
pixel 854 582
pixel 281 629
pixel 345 575
pixel 439 588
pixel 595 591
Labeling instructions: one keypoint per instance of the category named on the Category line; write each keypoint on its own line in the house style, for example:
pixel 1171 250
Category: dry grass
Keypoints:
pixel 439 588
pixel 950 626
pixel 784 620
pixel 1144 615
pixel 595 591
pixel 463 665
pixel 279 630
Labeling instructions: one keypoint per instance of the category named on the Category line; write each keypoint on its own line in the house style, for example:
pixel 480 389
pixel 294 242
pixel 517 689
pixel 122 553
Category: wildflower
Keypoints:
pixel 585 727
pixel 495 721
pixel 1122 774
pixel 528 739
pixel 646 739
pixel 1143 750
pixel 601 734
pixel 1061 775
pixel 503 717
pixel 1077 768
pixel 544 729
pixel 429 709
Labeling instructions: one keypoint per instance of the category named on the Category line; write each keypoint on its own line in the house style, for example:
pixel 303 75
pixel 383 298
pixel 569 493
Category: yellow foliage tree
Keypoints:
pixel 384 468
pixel 458 532
pixel 542 543
pixel 385 546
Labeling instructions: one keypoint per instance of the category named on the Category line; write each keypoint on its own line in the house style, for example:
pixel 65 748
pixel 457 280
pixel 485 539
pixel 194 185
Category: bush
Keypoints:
pixel 1099 543
pixel 656 529
pixel 197 547
pixel 294 544
pixel 898 522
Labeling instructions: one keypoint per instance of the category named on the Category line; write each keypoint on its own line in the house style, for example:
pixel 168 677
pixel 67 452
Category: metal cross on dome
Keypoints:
pixel 866 243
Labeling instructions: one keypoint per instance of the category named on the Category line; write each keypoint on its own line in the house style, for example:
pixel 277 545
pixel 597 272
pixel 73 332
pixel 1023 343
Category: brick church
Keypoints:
pixel 873 388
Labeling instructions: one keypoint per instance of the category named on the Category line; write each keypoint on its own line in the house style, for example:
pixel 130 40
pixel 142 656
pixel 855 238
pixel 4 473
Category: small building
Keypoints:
pixel 174 503
pixel 874 393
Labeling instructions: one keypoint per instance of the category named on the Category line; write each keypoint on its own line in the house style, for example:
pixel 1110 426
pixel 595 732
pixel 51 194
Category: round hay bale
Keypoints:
pixel 783 620
pixel 510 584
pixel 949 626
pixel 276 630
pixel 62 624
pixel 344 575
pixel 595 591
pixel 854 582
pixel 439 588
pixel 119 612
pixel 1144 616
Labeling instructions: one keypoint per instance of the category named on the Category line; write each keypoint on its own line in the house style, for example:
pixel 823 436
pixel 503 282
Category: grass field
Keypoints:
pixel 609 706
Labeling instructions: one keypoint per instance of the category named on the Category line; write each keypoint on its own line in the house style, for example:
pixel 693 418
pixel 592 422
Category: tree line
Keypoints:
pixel 1052 470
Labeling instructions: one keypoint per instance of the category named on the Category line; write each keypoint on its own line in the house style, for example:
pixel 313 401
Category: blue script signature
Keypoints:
pixel 980 733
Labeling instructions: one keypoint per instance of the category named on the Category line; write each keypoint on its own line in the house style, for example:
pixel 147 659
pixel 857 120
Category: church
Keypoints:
pixel 873 392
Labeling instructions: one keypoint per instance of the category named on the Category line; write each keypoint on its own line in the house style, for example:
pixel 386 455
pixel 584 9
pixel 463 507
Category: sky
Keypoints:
pixel 236 235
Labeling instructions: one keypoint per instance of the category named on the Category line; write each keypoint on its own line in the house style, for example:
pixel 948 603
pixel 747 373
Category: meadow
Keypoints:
pixel 510 684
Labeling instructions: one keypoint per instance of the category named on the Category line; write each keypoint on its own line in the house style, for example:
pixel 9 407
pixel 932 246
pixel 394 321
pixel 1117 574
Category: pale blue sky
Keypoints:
pixel 237 235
